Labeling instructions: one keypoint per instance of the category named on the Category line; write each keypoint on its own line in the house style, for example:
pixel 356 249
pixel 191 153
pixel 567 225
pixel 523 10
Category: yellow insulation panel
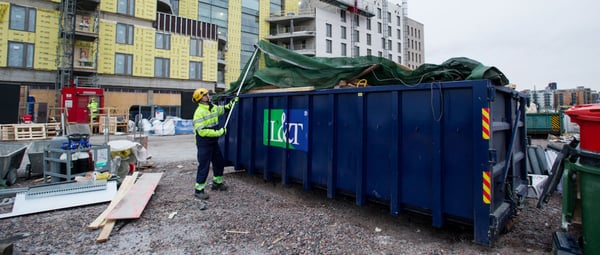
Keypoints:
pixel 209 65
pixel 106 47
pixel 46 39
pixel 188 9
pixel 180 57
pixel 291 6
pixel 145 9
pixel 4 32
pixel 143 58
pixel 108 6
pixel 233 41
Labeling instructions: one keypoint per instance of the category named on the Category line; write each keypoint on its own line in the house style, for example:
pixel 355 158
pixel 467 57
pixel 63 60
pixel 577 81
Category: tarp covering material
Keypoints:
pixel 285 69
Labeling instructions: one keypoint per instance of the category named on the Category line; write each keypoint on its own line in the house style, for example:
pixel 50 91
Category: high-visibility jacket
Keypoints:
pixel 206 119
pixel 93 106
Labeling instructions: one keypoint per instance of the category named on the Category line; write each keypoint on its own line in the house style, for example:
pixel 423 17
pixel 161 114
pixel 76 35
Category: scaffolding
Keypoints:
pixel 78 25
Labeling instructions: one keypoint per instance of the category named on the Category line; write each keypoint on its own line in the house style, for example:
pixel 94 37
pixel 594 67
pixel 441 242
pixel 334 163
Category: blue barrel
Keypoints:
pixel 31 105
pixel 452 150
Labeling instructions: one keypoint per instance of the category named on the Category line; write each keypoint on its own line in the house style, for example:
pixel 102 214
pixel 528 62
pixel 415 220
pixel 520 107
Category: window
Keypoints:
pixel 163 41
pixel 126 7
pixel 379 54
pixel 328 44
pixel 343 32
pixel 369 52
pixel 124 33
pixel 123 63
pixel 389 17
pixel 379 27
pixel 400 59
pixel 399 47
pixel 399 34
pixel 195 70
pixel 343 16
pixel 175 7
pixel 356 36
pixel 22 18
pixel 398 20
pixel 389 45
pixel 368 39
pixel 356 51
pixel 328 29
pixel 195 47
pixel 383 42
pixel 356 20
pixel 161 67
pixel 20 54
pixel 343 49
pixel 368 24
pixel 379 13
pixel 389 31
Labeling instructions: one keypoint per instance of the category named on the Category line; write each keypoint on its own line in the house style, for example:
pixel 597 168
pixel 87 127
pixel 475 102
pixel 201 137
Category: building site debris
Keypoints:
pixel 61 195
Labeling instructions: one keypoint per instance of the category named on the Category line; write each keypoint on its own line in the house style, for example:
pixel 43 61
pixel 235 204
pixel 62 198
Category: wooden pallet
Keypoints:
pixel 52 129
pixel 7 132
pixel 30 131
pixel 112 125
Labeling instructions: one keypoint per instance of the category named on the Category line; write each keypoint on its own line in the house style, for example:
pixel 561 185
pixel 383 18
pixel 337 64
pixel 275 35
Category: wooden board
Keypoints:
pixel 132 205
pixel 123 190
pixel 297 89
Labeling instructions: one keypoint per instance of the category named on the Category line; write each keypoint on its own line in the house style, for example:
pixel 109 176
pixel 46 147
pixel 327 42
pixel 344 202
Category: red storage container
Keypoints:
pixel 587 116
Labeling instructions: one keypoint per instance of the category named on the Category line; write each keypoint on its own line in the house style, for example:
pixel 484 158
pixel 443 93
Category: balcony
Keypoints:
pixel 174 24
pixel 221 58
pixel 295 32
pixel 303 14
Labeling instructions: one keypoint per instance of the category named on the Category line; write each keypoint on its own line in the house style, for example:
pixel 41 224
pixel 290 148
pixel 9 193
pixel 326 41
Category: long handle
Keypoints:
pixel 240 87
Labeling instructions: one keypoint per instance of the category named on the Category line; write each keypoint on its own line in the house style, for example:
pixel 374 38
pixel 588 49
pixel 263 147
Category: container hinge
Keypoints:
pixel 491 93
pixel 492 156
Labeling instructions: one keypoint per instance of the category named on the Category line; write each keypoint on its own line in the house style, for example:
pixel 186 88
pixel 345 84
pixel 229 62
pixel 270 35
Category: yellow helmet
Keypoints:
pixel 198 94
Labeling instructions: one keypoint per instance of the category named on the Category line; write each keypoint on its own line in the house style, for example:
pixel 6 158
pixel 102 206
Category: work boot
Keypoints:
pixel 200 194
pixel 218 186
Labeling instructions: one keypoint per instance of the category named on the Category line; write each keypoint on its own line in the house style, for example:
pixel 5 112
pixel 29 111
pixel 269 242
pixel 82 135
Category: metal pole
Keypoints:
pixel 240 87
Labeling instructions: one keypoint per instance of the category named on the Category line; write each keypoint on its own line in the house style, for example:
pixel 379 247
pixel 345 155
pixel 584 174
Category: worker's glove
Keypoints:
pixel 221 131
pixel 231 103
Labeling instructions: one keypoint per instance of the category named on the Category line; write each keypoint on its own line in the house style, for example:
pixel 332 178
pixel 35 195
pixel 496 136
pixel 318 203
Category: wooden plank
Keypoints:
pixel 132 205
pixel 123 189
pixel 296 89
pixel 106 230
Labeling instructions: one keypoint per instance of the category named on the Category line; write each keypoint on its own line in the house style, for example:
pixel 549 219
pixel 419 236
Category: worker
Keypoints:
pixel 206 127
pixel 93 109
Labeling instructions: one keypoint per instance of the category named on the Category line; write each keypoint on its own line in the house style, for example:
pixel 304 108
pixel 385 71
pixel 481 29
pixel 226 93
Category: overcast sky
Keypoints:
pixel 533 42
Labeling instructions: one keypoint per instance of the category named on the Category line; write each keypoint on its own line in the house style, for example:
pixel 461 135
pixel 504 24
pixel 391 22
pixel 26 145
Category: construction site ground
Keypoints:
pixel 258 217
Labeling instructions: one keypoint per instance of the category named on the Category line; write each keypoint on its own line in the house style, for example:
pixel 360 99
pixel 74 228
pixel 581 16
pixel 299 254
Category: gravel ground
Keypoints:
pixel 258 217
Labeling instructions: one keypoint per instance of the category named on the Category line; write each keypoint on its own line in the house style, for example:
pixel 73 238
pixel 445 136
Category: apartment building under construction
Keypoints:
pixel 57 55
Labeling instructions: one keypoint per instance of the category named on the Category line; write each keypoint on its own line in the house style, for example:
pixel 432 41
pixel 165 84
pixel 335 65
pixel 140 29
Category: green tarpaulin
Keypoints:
pixel 285 69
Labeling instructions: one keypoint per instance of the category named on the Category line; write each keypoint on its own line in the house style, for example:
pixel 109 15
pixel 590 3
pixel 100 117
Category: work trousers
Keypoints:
pixel 208 151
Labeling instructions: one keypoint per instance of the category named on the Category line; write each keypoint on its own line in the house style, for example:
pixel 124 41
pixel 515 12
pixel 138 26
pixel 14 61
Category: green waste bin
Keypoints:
pixel 589 186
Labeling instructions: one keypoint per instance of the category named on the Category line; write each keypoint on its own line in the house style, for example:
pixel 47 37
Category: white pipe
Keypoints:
pixel 240 87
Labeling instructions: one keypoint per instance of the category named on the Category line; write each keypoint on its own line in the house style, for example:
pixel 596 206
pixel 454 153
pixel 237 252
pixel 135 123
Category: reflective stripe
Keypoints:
pixel 218 179
pixel 200 186
pixel 207 117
